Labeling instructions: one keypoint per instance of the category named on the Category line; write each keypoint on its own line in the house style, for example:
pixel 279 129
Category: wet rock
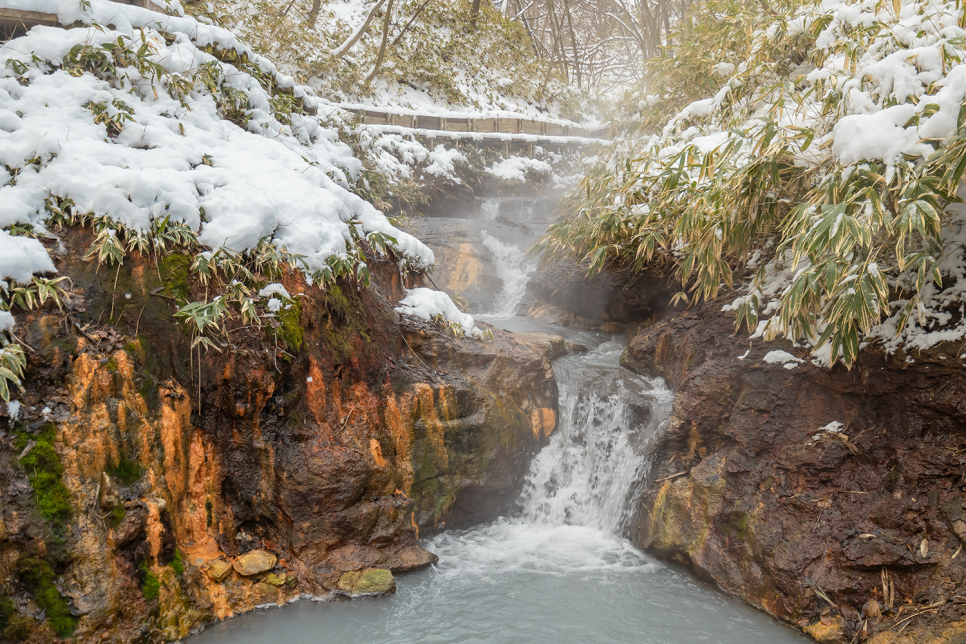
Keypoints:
pixel 219 569
pixel 548 345
pixel 411 559
pixel 372 581
pixel 267 593
pixel 254 562
pixel 753 494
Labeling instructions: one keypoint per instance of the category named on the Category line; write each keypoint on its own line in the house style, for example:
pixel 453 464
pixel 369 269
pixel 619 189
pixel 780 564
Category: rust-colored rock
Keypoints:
pixel 219 570
pixel 254 562
pixel 334 455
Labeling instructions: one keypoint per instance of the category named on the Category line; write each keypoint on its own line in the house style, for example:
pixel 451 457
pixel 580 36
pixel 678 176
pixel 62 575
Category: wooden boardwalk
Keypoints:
pixel 512 135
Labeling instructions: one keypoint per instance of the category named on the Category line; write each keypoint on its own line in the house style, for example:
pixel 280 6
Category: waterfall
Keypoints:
pixel 514 268
pixel 592 472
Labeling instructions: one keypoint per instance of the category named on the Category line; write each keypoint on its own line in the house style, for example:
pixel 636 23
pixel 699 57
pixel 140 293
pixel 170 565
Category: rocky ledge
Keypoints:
pixel 147 489
pixel 834 500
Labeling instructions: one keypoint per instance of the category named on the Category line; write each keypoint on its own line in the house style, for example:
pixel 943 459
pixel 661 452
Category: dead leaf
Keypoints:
pixel 924 548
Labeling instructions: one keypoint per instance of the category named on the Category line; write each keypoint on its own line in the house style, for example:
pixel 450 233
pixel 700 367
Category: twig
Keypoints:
pixel 673 476
pixel 346 421
pixel 414 353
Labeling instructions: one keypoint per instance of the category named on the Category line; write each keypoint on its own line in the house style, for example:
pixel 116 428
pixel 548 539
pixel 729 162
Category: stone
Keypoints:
pixel 254 562
pixel 133 524
pixel 267 593
pixel 219 569
pixel 109 495
pixel 275 579
pixel 543 421
pixel 830 633
pixel 959 527
pixel 372 581
pixel 547 345
pixel 411 559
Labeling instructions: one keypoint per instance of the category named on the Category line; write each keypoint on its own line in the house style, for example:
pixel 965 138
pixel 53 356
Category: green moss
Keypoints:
pixel 117 514
pixel 126 471
pixel 175 269
pixel 7 610
pixel 111 365
pixel 177 563
pixel 891 479
pixel 290 329
pixel 38 578
pixel 208 511
pixel 18 629
pixel 151 586
pixel 44 471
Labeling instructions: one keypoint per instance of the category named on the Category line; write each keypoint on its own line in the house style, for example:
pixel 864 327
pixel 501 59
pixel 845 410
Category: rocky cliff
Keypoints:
pixel 832 499
pixel 148 488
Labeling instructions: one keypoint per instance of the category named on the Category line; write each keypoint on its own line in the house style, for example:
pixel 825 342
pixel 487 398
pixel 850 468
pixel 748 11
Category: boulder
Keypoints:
pixel 219 569
pixel 254 562
pixel 275 579
pixel 411 559
pixel 372 581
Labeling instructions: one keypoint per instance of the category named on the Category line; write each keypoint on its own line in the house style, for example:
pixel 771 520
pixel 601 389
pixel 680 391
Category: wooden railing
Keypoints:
pixel 17 22
pixel 492 125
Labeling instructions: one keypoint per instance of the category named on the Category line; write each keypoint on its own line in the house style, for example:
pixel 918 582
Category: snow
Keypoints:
pixel 274 289
pixel 13 409
pixel 21 257
pixel 176 157
pixel 6 321
pixel 515 168
pixel 778 356
pixel 426 303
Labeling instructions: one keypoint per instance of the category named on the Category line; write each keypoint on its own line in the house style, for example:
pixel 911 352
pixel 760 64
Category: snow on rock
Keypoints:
pixel 425 304
pixel 20 258
pixel 274 289
pixel 177 156
pixel 6 321
pixel 782 357
pixel 515 168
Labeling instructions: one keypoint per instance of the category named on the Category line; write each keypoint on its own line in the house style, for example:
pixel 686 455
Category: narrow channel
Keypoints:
pixel 559 567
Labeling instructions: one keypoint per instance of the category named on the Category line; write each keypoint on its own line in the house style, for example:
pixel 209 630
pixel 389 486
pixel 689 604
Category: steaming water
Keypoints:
pixel 558 569
pixel 514 268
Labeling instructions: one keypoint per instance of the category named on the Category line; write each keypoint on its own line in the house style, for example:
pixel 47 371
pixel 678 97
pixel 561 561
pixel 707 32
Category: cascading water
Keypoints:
pixel 514 268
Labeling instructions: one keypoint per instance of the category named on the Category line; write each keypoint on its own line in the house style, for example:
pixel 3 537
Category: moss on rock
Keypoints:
pixel 38 577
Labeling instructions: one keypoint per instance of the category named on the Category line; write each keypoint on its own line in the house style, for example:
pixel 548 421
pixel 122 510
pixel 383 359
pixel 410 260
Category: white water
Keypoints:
pixel 514 269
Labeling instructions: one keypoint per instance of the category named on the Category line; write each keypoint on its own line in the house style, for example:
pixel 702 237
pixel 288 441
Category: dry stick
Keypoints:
pixel 137 325
pixel 414 353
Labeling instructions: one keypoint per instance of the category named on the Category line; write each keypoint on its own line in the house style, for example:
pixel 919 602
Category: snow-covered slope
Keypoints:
pixel 133 127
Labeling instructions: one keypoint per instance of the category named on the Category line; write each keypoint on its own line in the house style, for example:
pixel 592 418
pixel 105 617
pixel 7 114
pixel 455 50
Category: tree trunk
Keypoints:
pixel 313 13
pixel 382 47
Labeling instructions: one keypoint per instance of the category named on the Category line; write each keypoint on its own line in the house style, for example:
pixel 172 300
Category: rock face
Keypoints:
pixel 758 497
pixel 372 581
pixel 301 453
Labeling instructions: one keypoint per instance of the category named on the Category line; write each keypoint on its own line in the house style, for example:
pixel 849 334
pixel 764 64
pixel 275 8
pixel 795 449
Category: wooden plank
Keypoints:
pixel 17 22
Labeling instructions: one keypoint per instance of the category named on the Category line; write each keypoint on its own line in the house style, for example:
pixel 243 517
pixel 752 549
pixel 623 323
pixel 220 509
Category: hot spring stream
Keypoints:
pixel 558 568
